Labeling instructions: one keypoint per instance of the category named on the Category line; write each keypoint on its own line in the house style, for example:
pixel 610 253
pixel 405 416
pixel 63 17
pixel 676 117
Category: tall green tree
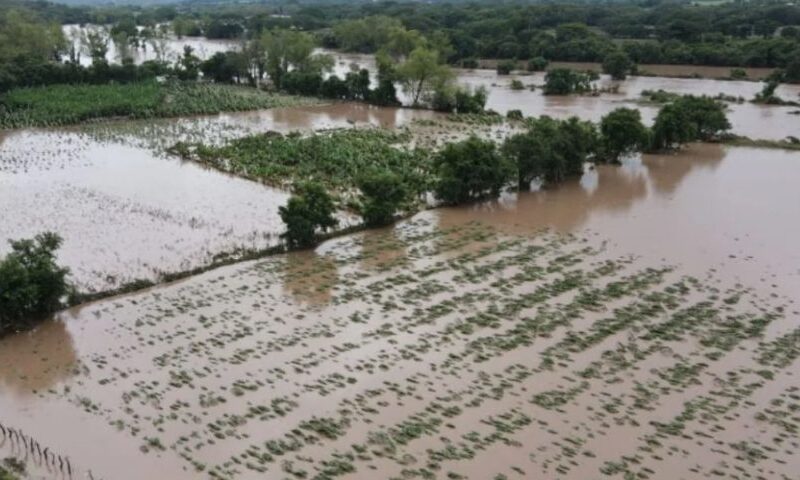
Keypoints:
pixel 32 284
pixel 470 170
pixel 310 209
pixel 421 73
pixel 622 132
pixel 383 193
pixel 617 64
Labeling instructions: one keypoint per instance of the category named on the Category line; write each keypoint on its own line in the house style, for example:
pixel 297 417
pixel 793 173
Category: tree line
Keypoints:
pixel 547 152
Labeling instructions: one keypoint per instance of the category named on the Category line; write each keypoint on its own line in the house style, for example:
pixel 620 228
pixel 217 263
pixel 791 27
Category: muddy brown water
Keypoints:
pixel 350 332
pixel 755 121
pixel 127 211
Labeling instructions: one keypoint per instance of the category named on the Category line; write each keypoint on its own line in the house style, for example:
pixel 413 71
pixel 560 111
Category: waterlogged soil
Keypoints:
pixel 638 323
pixel 127 211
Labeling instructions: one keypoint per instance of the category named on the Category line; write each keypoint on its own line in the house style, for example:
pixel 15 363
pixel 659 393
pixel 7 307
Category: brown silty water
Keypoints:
pixel 639 320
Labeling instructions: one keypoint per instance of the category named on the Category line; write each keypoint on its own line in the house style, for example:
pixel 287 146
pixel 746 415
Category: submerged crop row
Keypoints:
pixel 423 351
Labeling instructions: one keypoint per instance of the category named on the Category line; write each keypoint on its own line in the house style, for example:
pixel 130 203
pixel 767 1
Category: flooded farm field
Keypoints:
pixel 128 211
pixel 639 321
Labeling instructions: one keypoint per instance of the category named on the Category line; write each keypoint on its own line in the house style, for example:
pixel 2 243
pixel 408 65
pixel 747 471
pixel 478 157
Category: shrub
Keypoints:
pixel 382 195
pixel 687 119
pixel 470 170
pixel 617 64
pixel 32 284
pixel 515 115
pixel 537 64
pixel 738 74
pixel 505 67
pixel 469 63
pixel 563 81
pixel 309 209
pixel 517 85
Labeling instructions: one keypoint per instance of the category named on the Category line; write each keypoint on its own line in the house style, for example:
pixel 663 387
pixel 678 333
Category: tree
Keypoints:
pixel 383 193
pixel 309 209
pixel 291 50
pixel 537 64
pixel 470 170
pixel 622 132
pixel 505 67
pixel 563 81
pixel 32 284
pixel 671 128
pixel 706 116
pixel 551 150
pixel 421 72
pixel 617 64
pixel 188 65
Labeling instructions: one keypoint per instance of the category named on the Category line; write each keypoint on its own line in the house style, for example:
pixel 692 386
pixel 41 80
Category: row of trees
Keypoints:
pixel 548 151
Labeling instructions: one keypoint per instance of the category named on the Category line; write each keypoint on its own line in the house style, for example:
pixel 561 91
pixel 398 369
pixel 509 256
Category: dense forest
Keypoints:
pixel 752 34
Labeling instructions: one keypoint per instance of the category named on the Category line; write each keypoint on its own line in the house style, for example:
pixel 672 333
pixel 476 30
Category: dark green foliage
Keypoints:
pixel 622 132
pixel 189 65
pixel 225 67
pixel 459 99
pixel 310 209
pixel 32 284
pixel 688 118
pixel 551 150
pixel 470 170
pixel 537 64
pixel 515 114
pixel 336 159
pixel 563 81
pixel 505 67
pixel 617 64
pixel 68 104
pixel 706 116
pixel 671 128
pixel 382 195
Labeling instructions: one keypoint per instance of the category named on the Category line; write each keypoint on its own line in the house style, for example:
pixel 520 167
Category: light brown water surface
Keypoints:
pixel 619 324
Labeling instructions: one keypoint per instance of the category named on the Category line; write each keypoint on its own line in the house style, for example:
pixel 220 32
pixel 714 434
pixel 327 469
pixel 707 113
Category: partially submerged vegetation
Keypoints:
pixel 70 104
pixel 32 284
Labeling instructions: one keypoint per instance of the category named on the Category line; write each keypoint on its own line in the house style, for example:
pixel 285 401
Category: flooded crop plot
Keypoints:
pixel 603 329
pixel 128 211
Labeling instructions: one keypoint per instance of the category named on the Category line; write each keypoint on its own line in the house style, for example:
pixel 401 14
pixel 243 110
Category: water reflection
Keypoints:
pixel 382 249
pixel 604 189
pixel 37 360
pixel 310 277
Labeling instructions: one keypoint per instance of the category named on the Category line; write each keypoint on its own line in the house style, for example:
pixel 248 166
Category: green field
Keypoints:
pixel 70 104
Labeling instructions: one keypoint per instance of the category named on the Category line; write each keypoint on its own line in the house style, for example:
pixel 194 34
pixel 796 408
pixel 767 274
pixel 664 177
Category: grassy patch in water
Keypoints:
pixel 70 104
pixel 335 158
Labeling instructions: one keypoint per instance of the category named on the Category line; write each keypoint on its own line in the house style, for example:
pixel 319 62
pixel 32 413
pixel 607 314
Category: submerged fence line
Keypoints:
pixel 27 448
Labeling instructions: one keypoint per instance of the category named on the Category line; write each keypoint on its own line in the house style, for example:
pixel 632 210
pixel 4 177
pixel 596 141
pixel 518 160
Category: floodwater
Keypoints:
pixel 202 47
pixel 127 211
pixel 635 313
pixel 754 121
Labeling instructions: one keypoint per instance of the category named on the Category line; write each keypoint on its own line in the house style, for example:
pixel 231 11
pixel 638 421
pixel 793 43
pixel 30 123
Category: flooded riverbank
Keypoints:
pixel 747 119
pixel 633 313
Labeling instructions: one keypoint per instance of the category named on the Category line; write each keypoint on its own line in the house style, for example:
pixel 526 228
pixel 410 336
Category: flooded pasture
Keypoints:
pixel 638 322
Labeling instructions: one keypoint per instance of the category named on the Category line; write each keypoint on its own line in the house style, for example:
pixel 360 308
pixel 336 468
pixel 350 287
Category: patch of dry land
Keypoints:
pixel 598 330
